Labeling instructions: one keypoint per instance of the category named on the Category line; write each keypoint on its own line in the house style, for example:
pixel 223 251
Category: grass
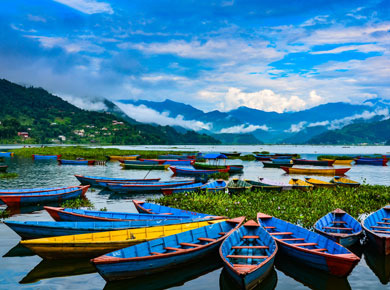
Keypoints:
pixel 220 175
pixel 298 207
pixel 9 175
pixel 78 203
pixel 72 152
pixel 335 157
pixel 4 214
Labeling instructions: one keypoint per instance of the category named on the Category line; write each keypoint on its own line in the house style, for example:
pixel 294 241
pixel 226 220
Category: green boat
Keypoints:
pixel 236 186
pixel 145 166
pixel 269 164
pixel 3 168
pixel 257 186
pixel 207 166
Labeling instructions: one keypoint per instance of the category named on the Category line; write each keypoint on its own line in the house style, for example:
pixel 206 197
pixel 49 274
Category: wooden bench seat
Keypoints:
pixel 250 237
pixel 304 244
pixel 244 267
pixel 339 222
pixel 381 232
pixel 292 239
pixel 270 227
pixel 245 257
pixel 190 245
pixel 386 219
pixel 249 247
pixel 319 250
pixel 281 233
pixel 207 239
pixel 383 223
pixel 338 228
pixel 222 233
pixel 172 249
pixel 379 227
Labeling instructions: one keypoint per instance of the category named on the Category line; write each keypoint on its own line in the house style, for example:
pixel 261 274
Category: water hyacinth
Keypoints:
pixel 299 207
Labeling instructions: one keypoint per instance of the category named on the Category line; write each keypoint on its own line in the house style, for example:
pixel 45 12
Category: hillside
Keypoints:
pixel 46 118
pixel 237 139
pixel 371 133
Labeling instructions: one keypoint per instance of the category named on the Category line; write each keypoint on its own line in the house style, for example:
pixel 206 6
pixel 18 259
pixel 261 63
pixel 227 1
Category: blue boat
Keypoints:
pixel 377 228
pixel 41 229
pixel 309 248
pixel 340 227
pixel 16 200
pixel 6 154
pixel 146 186
pixel 214 186
pixel 70 214
pixel 29 190
pixel 170 161
pixel 141 162
pixel 182 188
pixel 97 180
pixel 248 254
pixel 45 157
pixel 281 160
pixel 196 172
pixel 152 208
pixel 165 254
pixel 371 161
pixel 76 162
pixel 178 157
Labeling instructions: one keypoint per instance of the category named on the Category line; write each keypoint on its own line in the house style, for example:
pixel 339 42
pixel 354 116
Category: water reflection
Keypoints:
pixel 51 269
pixel 19 251
pixel 169 279
pixel 227 283
pixel 312 278
pixel 379 264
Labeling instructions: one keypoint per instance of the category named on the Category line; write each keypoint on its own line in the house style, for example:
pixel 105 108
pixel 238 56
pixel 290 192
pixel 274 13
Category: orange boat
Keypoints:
pixel 319 171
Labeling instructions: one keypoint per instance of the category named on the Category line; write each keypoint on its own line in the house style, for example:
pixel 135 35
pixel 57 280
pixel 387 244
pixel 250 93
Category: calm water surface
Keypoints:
pixel 20 269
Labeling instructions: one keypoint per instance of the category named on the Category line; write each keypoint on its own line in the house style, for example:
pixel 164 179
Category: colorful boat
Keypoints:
pixel 313 162
pixel 319 183
pixel 95 180
pixel 237 186
pixel 342 181
pixel 340 161
pixel 142 162
pixel 308 247
pixel 248 254
pixel 257 185
pixel 7 154
pixel 76 162
pixel 70 214
pixel 29 190
pixel 233 168
pixel 270 164
pixel 377 228
pixel 263 158
pixel 171 161
pixel 40 229
pixel 94 244
pixel 340 227
pixel 3 168
pixel 152 208
pixel 195 172
pixel 125 157
pixel 282 160
pixel 146 186
pixel 300 184
pixel 45 157
pixel 231 154
pixel 178 157
pixel 214 186
pixel 371 161
pixel 316 171
pixel 165 254
pixel 15 200
pixel 270 182
pixel 145 166
pixel 182 188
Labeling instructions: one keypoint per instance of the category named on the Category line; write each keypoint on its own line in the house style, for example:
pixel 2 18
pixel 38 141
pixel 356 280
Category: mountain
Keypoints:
pixel 237 139
pixel 304 135
pixel 370 133
pixel 47 118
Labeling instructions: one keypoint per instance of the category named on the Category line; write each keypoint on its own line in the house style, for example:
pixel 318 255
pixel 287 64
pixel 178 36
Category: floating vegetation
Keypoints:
pixel 220 175
pixel 4 214
pixel 299 207
pixel 335 157
pixel 103 209
pixel 9 175
pixel 78 203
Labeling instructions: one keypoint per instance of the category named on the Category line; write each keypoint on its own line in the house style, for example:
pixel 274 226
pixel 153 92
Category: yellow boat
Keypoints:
pixel 320 171
pixel 96 244
pixel 340 162
pixel 129 157
pixel 342 181
pixel 300 184
pixel 319 183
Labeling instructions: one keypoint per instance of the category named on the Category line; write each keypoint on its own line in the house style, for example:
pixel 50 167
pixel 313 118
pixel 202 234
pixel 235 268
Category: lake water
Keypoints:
pixel 20 269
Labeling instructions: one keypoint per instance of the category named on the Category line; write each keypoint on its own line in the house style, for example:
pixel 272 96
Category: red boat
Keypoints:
pixel 313 162
pixel 320 171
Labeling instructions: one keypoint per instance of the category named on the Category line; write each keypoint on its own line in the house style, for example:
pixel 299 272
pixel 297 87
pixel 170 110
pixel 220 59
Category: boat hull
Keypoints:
pixel 308 171
pixel 95 181
pixel 133 187
pixel 313 162
pixel 76 162
pixel 145 166
pixel 3 168
pixel 45 157
pixel 195 172
pixel 268 164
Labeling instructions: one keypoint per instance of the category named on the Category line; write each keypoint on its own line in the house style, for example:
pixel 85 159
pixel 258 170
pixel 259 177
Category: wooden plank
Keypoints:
pixel 155 253
pixel 383 223
pixel 382 232
pixel 379 227
pixel 270 227
pixel 207 239
pixel 339 228
pixel 172 249
pixel 339 222
pixel 249 247
pixel 386 219
pixel 304 244
pixel 250 237
pixel 245 257
pixel 244 266
pixel 222 233
pixel 281 233
pixel 319 250
pixel 190 245
pixel 293 239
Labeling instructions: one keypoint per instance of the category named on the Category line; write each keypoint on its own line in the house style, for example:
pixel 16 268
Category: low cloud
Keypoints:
pixel 146 115
pixel 296 127
pixel 244 128
pixel 85 104
pixel 366 115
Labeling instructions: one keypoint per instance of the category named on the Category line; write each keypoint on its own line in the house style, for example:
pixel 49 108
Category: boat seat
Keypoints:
pixel 172 249
pixel 319 250
pixel 270 227
pixel 304 244
pixel 244 267
pixel 383 223
pixel 190 245
pixel 386 219
pixel 379 227
pixel 339 222
pixel 155 253
pixel 338 228
pixel 249 247
pixel 292 239
pixel 222 233
pixel 249 237
pixel 281 233
pixel 245 257
pixel 382 232
pixel 166 213
pixel 207 239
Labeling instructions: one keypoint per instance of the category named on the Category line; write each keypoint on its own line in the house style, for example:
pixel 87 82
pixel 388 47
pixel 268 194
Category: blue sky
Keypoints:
pixel 270 55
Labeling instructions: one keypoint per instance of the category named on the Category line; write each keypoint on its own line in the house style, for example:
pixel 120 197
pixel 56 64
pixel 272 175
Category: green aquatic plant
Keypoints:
pixel 296 206
pixel 335 157
pixel 9 175
pixel 4 214
pixel 220 175
pixel 78 203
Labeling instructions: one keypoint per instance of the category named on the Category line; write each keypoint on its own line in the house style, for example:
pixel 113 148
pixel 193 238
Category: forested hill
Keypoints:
pixel 49 119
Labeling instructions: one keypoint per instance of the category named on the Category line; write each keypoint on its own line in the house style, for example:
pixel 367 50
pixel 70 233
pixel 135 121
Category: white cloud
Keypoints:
pixel 88 6
pixel 366 115
pixel 365 48
pixel 244 128
pixel 315 98
pixel 323 123
pixel 296 127
pixel 86 104
pixel 320 19
pixel 146 115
